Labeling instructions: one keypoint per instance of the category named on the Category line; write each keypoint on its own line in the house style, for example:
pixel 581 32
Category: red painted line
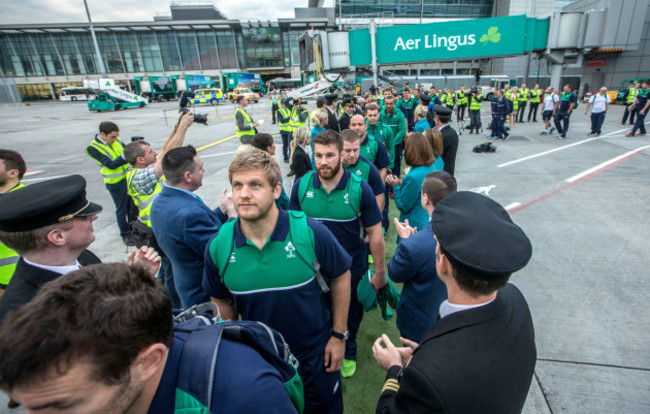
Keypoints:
pixel 29 172
pixel 566 187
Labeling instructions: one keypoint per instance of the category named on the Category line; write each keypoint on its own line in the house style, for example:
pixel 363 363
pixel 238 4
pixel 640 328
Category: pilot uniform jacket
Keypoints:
pixel 344 121
pixel 332 122
pixel 479 360
pixel 449 148
pixel 28 279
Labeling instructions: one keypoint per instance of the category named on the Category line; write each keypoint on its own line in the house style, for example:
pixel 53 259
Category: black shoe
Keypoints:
pixel 128 241
pixel 286 160
pixel 272 123
pixel 291 174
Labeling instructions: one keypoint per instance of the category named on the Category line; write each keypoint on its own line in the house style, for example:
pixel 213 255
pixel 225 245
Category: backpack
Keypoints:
pixel 301 237
pixel 206 333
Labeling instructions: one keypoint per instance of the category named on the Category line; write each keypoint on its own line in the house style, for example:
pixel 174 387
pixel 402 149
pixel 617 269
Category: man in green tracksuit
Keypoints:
pixel 394 119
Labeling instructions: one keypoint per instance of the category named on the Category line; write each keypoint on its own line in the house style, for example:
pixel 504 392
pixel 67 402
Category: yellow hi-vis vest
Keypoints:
pixel 113 152
pixel 295 119
pixel 631 94
pixel 535 94
pixel 523 94
pixel 248 121
pixel 462 98
pixel 285 126
pixel 8 257
pixel 475 104
pixel 143 202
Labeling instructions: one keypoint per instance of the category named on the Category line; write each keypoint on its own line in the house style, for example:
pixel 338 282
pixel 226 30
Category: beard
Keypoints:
pixel 3 179
pixel 330 173
pixel 260 213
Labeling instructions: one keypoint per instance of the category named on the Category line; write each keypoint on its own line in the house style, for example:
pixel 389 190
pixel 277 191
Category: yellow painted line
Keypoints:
pixel 212 144
pixel 226 117
pixel 65 119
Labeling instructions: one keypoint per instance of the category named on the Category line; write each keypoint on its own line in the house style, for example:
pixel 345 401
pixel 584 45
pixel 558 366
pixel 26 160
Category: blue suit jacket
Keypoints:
pixel 183 225
pixel 414 265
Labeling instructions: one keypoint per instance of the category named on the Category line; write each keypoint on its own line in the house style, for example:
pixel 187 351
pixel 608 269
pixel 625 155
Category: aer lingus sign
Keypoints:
pixel 497 36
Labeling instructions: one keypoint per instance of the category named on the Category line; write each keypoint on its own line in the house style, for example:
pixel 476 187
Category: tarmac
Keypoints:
pixel 582 201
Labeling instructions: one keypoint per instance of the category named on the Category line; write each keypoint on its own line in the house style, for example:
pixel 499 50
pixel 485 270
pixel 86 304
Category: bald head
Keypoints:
pixel 358 125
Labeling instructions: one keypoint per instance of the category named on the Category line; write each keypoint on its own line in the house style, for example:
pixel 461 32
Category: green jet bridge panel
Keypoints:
pixel 460 39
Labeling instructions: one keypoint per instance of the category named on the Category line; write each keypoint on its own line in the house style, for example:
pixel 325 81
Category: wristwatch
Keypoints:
pixel 342 336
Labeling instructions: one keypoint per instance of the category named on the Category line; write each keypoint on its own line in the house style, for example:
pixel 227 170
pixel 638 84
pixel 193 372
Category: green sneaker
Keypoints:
pixel 348 368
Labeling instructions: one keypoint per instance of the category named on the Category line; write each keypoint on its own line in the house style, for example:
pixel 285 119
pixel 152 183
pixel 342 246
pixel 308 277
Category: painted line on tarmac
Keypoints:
pixel 577 181
pixel 609 164
pixel 541 154
pixel 212 144
pixel 512 205
pixel 44 178
pixel 216 155
pixel 32 172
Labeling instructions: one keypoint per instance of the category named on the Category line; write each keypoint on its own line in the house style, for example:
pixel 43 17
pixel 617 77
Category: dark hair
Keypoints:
pixel 476 287
pixel 444 118
pixel 417 150
pixel 372 107
pixel 13 161
pixel 438 185
pixel 133 150
pixel 176 162
pixel 349 135
pixel 329 137
pixel 107 127
pixel 320 102
pixel 106 313
pixel 262 141
pixel 240 98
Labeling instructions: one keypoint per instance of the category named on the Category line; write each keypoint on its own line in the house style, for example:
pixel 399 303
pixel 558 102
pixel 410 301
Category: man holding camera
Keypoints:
pixel 145 181
pixel 243 122
pixel 475 99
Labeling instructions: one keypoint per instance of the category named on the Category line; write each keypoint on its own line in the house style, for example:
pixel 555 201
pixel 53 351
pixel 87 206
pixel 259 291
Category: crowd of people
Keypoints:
pixel 104 337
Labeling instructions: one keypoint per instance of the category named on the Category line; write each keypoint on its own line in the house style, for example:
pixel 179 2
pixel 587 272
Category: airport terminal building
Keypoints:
pixel 195 38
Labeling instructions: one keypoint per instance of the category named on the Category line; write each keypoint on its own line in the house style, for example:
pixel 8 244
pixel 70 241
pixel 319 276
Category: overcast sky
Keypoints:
pixel 72 11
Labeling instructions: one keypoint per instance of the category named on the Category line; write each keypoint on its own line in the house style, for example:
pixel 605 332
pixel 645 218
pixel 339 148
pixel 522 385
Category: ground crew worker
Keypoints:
pixel 12 170
pixel 284 120
pixel 283 246
pixel 485 334
pixel 299 115
pixel 396 121
pixel 450 99
pixel 112 348
pixel 475 99
pixel 275 104
pixel 243 122
pixel 107 149
pixel 345 204
pixel 462 102
pixel 50 224
pixel 630 95
pixel 145 180
pixel 514 98
pixel 523 101
pixel 535 95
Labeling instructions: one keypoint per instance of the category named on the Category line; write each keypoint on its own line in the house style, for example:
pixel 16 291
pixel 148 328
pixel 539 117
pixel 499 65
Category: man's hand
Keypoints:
pixel 146 257
pixel 256 124
pixel 186 120
pixel 407 352
pixel 334 352
pixel 226 205
pixel 378 279
pixel 386 357
pixel 403 229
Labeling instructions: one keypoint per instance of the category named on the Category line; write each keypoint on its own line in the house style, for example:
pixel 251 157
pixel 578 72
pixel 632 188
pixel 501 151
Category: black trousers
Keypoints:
pixel 522 110
pixel 533 111
pixel 629 113
pixel 274 109
pixel 125 210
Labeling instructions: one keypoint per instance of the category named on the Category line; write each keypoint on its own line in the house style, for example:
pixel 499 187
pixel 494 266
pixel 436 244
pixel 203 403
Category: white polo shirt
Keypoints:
pixel 599 103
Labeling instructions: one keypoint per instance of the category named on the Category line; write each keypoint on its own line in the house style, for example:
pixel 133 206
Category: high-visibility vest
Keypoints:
pixel 295 119
pixel 523 94
pixel 508 95
pixel 8 257
pixel 285 126
pixel 275 100
pixel 462 98
pixel 514 98
pixel 113 151
pixel 535 94
pixel 631 94
pixel 475 105
pixel 248 121
pixel 143 202
pixel 450 100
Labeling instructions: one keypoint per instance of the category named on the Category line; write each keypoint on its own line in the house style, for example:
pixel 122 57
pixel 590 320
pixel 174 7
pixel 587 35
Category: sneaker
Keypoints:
pixel 560 136
pixel 507 137
pixel 471 132
pixel 551 130
pixel 543 133
pixel 597 135
pixel 348 368
pixel 640 133
pixel 630 134
pixel 591 134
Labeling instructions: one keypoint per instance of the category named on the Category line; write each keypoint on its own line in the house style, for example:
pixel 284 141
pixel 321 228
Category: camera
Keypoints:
pixel 133 139
pixel 198 118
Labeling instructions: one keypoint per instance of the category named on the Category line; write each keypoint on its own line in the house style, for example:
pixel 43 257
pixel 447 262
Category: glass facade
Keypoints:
pixel 470 9
pixel 138 51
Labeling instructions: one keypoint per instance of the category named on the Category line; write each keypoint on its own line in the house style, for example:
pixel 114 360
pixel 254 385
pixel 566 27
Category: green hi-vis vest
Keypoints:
pixel 515 101
pixel 523 94
pixel 293 261
pixel 535 95
pixel 475 105
pixel 143 202
pixel 508 95
pixel 8 257
pixel 462 98
pixel 248 121
pixel 369 150
pixel 337 205
pixel 295 119
pixel 285 126
pixel 450 100
pixel 361 170
pixel 631 94
pixel 112 151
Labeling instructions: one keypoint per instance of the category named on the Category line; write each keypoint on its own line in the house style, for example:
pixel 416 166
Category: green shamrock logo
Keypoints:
pixel 491 36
